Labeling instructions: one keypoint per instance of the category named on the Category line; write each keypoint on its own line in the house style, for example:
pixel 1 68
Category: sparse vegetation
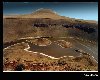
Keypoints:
pixel 43 24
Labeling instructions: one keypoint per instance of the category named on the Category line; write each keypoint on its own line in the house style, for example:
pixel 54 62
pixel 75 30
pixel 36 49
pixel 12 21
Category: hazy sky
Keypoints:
pixel 79 10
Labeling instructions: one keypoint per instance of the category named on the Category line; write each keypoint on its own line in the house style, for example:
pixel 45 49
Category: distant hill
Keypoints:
pixel 49 23
pixel 45 13
pixel 40 13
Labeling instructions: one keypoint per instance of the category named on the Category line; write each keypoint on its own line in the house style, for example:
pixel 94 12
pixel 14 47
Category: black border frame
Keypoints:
pixel 46 75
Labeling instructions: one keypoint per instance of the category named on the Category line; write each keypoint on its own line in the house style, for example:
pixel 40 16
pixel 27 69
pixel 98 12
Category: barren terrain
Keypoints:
pixel 44 41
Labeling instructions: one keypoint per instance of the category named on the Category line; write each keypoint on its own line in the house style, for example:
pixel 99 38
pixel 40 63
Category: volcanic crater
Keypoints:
pixel 44 40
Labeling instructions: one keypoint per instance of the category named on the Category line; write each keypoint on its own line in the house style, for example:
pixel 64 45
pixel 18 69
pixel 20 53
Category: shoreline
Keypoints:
pixel 28 47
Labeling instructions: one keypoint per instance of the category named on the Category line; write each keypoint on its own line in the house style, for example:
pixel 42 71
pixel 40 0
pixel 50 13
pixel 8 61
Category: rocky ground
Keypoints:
pixel 45 22
pixel 18 58
pixel 40 41
pixel 64 44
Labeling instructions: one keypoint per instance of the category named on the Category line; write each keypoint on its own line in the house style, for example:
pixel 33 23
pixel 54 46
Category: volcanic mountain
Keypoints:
pixel 49 23
pixel 45 13
pixel 69 36
pixel 40 13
